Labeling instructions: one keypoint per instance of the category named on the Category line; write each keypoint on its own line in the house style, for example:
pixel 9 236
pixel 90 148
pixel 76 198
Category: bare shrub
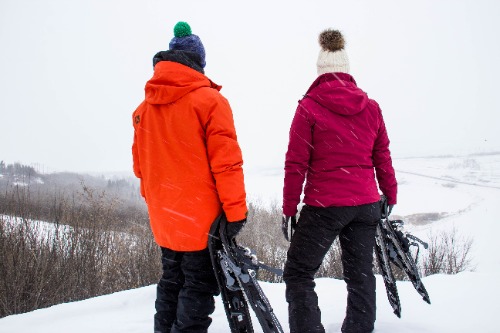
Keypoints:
pixel 262 234
pixel 42 264
pixel 332 263
pixel 448 253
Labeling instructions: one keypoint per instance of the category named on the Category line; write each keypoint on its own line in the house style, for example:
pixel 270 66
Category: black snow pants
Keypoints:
pixel 315 232
pixel 185 292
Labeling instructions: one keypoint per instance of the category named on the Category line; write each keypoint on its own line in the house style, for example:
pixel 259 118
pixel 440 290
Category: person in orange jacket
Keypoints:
pixel 189 163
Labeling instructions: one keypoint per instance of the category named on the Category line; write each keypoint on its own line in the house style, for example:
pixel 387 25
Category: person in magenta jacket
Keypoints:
pixel 339 147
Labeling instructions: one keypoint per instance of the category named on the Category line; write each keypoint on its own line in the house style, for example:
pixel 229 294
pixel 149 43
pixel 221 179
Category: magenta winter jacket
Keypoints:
pixel 338 144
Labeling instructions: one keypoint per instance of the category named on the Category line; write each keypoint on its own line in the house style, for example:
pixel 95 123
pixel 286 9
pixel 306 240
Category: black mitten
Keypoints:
pixel 233 228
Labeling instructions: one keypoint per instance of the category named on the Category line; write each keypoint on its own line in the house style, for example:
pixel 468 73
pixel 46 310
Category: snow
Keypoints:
pixel 464 189
pixel 36 180
pixel 42 229
pixel 132 310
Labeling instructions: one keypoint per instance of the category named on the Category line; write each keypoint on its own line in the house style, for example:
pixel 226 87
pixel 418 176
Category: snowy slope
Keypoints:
pixel 462 303
pixel 443 192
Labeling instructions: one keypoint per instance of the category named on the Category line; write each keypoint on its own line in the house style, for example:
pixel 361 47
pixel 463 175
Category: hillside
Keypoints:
pixel 438 193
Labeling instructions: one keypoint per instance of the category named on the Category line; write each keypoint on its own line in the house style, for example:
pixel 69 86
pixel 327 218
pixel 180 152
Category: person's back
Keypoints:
pixel 338 144
pixel 186 134
pixel 188 160
pixel 348 139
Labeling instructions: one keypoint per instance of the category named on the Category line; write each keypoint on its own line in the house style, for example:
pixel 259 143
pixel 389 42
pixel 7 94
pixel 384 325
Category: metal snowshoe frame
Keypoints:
pixel 236 270
pixel 393 246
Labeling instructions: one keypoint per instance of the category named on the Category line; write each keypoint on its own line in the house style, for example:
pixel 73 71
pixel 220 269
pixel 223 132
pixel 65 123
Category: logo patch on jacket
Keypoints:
pixel 137 119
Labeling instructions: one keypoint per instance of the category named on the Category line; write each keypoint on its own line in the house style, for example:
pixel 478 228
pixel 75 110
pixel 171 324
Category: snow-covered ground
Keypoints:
pixel 438 193
pixel 43 230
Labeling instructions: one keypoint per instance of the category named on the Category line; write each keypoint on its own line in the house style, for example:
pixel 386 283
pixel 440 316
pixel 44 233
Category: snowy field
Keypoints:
pixel 437 193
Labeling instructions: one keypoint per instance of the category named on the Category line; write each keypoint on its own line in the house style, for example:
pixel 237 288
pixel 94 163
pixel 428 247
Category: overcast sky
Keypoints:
pixel 72 72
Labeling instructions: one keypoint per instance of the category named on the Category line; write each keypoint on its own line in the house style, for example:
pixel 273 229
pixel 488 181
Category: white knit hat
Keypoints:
pixel 332 56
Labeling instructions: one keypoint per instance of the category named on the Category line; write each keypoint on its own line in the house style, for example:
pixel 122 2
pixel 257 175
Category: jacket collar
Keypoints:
pixel 172 80
pixel 190 59
pixel 328 77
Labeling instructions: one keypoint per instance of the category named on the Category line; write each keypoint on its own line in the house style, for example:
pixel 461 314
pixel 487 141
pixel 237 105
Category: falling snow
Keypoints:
pixel 465 302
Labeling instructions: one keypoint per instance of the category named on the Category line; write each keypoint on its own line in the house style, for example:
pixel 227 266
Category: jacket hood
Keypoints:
pixel 171 81
pixel 338 93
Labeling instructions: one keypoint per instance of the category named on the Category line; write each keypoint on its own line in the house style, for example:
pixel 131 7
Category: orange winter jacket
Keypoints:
pixel 187 157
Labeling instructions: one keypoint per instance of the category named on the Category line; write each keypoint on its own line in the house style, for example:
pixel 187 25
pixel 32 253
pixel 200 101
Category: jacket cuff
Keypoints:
pixel 289 211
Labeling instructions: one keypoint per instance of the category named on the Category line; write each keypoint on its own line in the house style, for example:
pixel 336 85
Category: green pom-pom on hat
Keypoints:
pixel 182 29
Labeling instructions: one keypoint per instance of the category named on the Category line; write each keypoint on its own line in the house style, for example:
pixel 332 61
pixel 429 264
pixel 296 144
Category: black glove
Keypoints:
pixel 233 228
pixel 288 228
pixel 386 209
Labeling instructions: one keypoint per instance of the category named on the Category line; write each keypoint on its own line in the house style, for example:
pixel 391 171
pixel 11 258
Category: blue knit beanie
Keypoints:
pixel 185 40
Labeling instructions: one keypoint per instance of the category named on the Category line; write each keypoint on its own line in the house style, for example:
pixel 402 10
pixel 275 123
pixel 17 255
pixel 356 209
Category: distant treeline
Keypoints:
pixel 16 169
pixel 47 191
